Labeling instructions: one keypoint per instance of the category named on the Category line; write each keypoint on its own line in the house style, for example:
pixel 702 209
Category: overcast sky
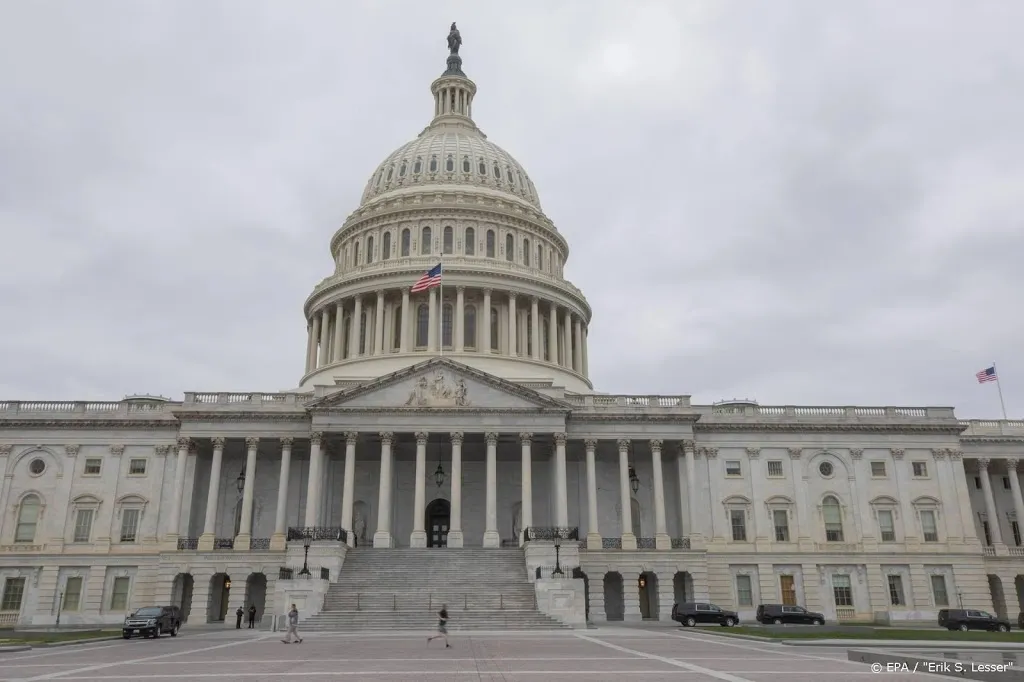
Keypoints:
pixel 801 202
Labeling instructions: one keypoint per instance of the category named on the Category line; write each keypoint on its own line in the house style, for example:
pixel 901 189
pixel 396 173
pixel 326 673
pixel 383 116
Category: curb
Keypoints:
pixel 909 644
pixel 14 648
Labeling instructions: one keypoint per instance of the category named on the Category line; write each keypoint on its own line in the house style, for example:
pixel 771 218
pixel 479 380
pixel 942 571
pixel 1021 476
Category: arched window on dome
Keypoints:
pixel 362 332
pixel 449 164
pixel 510 247
pixel 490 243
pixel 433 164
pixel 346 334
pixel 551 262
pixel 369 249
pixel 417 167
pixel 422 325
pixel 526 252
pixel 494 329
pixel 447 321
pixel 545 347
pixel 469 327
pixel 448 239
pixel 425 239
pixel 28 519
pixel 497 171
pixel 832 515
pixel 467 166
pixel 406 241
pixel 380 178
pixel 520 176
pixel 402 169
pixel 385 246
pixel 540 256
pixel 482 167
pixel 396 328
pixel 529 335
pixel 511 177
pixel 355 254
pixel 391 173
pixel 470 242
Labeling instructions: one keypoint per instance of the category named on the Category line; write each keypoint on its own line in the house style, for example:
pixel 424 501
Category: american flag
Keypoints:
pixel 429 280
pixel 987 375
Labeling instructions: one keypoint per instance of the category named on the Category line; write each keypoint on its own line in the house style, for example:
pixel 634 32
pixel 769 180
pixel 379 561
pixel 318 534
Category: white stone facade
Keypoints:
pixel 478 394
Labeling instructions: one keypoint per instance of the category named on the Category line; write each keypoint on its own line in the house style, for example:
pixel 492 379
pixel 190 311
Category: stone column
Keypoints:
pixel 455 537
pixel 586 361
pixel 553 334
pixel 689 449
pixel 526 517
pixel 378 330
pixel 800 497
pixel 718 529
pixel 313 346
pixel 349 485
pixel 512 335
pixel 382 538
pixel 325 336
pixel 355 329
pixel 313 484
pixel 1018 501
pixel 577 346
pixel 486 336
pixel 432 340
pixel 184 444
pixel 339 333
pixel 535 328
pixel 625 498
pixel 862 480
pixel 212 495
pixel 561 484
pixel 311 336
pixel 567 341
pixel 491 536
pixel 459 325
pixel 280 537
pixel 760 519
pixel 902 470
pixel 245 526
pixel 990 503
pixel 593 530
pixel 963 498
pixel 661 538
pixel 403 333
pixel 418 538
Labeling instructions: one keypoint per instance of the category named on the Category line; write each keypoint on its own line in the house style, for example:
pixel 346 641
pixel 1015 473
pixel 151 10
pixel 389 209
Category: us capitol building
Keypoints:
pixel 464 416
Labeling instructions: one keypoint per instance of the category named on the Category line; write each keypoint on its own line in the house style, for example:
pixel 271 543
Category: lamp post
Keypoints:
pixel 558 555
pixel 439 475
pixel 240 481
pixel 306 542
pixel 60 605
pixel 634 480
pixel 960 597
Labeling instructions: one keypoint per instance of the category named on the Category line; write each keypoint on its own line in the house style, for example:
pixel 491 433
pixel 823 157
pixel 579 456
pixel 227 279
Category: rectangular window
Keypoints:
pixel 28 517
pixel 775 468
pixel 72 594
pixel 920 469
pixel 928 526
pixel 787 586
pixel 896 590
pixel 738 518
pixel 119 593
pixel 842 591
pixel 885 525
pixel 939 590
pixel 833 522
pixel 129 524
pixel 83 525
pixel 977 482
pixel 878 469
pixel 1006 482
pixel 137 467
pixel 93 466
pixel 744 591
pixel 1015 527
pixel 780 519
pixel 732 467
pixel 988 536
pixel 14 589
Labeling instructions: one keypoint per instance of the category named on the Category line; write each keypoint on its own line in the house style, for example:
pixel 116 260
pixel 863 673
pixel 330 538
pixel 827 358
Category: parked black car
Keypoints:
pixel 152 621
pixel 696 613
pixel 971 619
pixel 786 614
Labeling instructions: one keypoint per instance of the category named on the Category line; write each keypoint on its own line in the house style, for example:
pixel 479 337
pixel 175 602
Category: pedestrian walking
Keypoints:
pixel 442 627
pixel 252 616
pixel 293 627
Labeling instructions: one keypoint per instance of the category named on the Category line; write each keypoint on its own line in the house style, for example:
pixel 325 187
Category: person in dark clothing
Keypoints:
pixel 442 627
pixel 238 618
pixel 252 616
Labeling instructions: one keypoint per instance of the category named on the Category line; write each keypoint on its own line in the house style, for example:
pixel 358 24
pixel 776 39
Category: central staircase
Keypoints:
pixel 403 589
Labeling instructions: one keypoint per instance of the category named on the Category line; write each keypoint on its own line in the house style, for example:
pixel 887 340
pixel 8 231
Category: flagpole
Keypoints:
pixel 1000 389
pixel 440 306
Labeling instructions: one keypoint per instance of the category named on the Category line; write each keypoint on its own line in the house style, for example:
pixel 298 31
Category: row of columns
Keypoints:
pixel 991 513
pixel 567 334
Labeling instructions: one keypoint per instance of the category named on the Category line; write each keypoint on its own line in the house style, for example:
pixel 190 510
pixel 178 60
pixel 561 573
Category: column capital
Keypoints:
pixel 710 453
pixel 983 463
pixel 421 437
pixel 460 290
pixel 856 453
pixel 939 453
pixel 117 450
pixel 286 443
pixel 656 444
pixel 897 453
pixel 590 444
pixel 491 438
pixel 184 443
pixel 511 295
pixel 386 437
pixel 487 291
pixel 160 450
pixel 1011 463
pixel 457 437
pixel 534 300
pixel 69 450
pixel 358 298
pixel 794 453
pixel 623 444
pixel 380 293
pixel 956 454
pixel 218 442
pixel 753 453
pixel 252 442
pixel 351 437
pixel 561 438
pixel 525 438
pixel 316 437
pixel 688 447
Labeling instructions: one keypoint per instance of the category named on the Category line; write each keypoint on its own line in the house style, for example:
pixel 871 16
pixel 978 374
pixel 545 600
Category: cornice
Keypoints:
pixel 463 411
pixel 218 416
pixel 639 417
pixel 1006 440
pixel 712 427
pixel 50 423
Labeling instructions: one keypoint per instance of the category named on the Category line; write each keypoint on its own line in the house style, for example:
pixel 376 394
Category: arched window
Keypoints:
pixel 490 243
pixel 494 329
pixel 406 239
pixel 425 241
pixel 540 257
pixel 482 168
pixel 497 172
pixel 510 247
pixel 545 329
pixel 396 328
pixel 391 173
pixel 526 252
pixel 422 325
pixel 402 169
pixel 832 514
pixel 447 318
pixel 355 254
pixel 449 164
pixel 470 248
pixel 529 334
pixel 466 165
pixel 362 332
pixel 469 327
pixel 448 239
pixel 369 249
pixel 346 334
pixel 28 518
pixel 433 164
pixel 385 246
pixel 551 262
pixel 418 166
pixel 511 178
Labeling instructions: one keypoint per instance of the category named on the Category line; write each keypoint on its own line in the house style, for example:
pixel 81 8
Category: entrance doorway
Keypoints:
pixel 439 518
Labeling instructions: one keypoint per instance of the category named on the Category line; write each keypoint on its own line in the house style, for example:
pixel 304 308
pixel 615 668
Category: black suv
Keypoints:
pixel 971 619
pixel 786 614
pixel 695 613
pixel 152 621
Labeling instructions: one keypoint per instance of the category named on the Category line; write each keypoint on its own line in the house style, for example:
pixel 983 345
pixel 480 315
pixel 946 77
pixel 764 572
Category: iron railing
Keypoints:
pixel 188 543
pixel 223 543
pixel 646 543
pixel 680 543
pixel 315 533
pixel 259 543
pixel 552 532
pixel 288 573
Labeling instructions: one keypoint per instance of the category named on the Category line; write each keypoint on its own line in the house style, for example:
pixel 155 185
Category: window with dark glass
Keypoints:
pixel 385 247
pixel 418 166
pixel 526 252
pixel 391 173
pixel 355 254
pixel 449 164
pixel 406 241
pixel 540 257
pixel 511 177
pixel 466 165
pixel 362 333
pixel 369 249
pixel 469 327
pixel 490 243
pixel 425 238
pixel 833 515
pixel 494 329
pixel 470 246
pixel 482 167
pixel 738 521
pixel 433 164
pixel 402 169
pixel 448 240
pixel 422 325
pixel 510 248
pixel 447 319
pixel 497 172
pixel 396 328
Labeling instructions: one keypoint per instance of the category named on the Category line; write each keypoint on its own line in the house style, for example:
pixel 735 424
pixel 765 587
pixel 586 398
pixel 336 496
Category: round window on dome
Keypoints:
pixel 449 165
pixel 418 166
pixel 36 466
pixel 826 469
pixel 433 164
pixel 466 165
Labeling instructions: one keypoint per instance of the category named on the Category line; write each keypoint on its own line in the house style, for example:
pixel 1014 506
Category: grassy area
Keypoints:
pixel 871 633
pixel 13 637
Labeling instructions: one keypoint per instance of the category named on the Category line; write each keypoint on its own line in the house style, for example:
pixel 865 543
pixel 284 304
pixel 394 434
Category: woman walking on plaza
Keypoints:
pixel 442 627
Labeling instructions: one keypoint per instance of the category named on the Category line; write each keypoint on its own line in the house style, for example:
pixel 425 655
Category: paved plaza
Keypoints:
pixel 607 654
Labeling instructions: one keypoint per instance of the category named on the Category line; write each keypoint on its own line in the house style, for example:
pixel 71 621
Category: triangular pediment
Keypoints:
pixel 439 383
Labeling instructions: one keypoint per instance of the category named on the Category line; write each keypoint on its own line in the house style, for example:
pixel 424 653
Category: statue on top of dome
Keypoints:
pixel 454 39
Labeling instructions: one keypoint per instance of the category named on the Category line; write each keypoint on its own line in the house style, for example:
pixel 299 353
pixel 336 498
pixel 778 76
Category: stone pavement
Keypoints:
pixel 605 654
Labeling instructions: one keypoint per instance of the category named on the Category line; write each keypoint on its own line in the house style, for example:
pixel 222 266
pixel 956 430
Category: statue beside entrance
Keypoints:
pixel 438 392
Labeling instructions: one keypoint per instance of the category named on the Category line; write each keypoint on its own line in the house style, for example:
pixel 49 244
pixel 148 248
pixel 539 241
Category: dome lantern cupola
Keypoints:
pixel 453 91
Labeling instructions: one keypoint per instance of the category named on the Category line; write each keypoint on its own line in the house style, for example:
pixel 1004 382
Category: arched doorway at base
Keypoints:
pixel 220 596
pixel 181 594
pixel 647 588
pixel 439 518
pixel 614 602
